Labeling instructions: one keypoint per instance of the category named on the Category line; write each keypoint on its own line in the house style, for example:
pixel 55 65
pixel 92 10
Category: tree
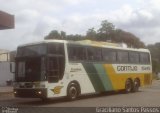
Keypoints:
pixel 75 37
pixel 63 35
pixel 155 53
pixel 91 34
pixel 56 35
pixel 128 38
pixel 106 31
pixel 53 35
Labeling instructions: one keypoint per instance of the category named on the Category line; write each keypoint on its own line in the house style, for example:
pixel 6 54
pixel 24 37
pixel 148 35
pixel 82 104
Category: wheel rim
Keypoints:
pixel 128 86
pixel 73 92
pixel 136 85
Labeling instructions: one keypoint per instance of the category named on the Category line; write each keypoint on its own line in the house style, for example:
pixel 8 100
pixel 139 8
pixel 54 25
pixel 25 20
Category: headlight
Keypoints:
pixel 39 92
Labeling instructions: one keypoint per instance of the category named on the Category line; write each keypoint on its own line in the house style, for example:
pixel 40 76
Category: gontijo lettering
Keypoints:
pixel 126 68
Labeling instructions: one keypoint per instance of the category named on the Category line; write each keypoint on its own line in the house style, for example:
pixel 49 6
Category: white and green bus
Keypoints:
pixel 56 68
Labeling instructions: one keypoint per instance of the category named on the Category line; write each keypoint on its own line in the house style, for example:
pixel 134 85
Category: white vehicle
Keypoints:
pixel 56 68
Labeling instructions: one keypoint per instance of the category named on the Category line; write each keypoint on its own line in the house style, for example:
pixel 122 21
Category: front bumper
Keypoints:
pixel 31 93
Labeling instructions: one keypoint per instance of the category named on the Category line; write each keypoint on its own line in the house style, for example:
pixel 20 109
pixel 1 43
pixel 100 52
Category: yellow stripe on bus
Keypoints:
pixel 118 80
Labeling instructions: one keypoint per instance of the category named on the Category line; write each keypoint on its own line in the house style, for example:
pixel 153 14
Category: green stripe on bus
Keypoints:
pixel 94 77
pixel 104 77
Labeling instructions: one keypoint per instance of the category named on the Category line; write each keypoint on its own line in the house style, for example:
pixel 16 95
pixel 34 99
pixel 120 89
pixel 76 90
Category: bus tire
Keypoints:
pixel 72 91
pixel 128 86
pixel 136 85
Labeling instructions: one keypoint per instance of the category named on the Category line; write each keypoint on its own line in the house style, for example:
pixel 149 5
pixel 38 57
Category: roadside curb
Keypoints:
pixel 6 90
pixel 3 93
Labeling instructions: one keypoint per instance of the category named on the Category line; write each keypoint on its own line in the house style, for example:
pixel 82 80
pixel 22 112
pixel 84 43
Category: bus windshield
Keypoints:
pixel 40 62
pixel 33 50
pixel 31 69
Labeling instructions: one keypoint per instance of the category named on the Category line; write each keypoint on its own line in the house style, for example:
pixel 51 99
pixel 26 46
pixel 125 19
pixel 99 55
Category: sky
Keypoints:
pixel 34 19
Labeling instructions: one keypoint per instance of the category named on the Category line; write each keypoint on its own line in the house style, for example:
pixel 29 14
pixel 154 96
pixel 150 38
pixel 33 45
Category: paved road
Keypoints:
pixel 148 96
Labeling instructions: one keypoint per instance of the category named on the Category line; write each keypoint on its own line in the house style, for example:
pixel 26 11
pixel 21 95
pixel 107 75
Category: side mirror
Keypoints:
pixel 12 67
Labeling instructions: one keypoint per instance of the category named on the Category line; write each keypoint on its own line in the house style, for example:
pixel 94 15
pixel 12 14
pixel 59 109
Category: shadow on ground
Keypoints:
pixel 39 102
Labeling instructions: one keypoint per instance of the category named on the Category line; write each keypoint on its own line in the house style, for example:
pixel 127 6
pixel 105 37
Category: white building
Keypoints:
pixel 5 58
pixel 6 22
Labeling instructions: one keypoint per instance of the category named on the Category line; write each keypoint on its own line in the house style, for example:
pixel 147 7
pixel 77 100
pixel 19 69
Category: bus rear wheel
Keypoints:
pixel 128 86
pixel 72 92
pixel 136 85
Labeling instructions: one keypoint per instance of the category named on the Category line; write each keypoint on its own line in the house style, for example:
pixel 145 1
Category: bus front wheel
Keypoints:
pixel 72 92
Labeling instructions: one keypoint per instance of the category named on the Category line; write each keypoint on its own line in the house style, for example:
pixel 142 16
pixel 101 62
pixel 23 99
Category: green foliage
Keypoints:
pixel 91 34
pixel 54 34
pixel 63 34
pixel 128 38
pixel 75 37
pixel 155 54
pixel 106 32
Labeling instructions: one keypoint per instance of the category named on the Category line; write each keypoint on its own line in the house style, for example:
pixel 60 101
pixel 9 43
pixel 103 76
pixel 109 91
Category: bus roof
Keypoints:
pixel 107 45
pixel 41 42
pixel 90 43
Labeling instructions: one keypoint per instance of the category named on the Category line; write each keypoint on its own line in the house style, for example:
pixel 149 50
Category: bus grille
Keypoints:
pixel 27 85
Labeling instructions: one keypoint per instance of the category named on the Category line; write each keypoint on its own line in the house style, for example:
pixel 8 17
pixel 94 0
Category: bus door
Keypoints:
pixel 55 68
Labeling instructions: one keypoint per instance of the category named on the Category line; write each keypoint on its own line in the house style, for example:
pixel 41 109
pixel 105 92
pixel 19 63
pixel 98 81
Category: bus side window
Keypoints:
pixel 94 54
pixel 71 53
pixel 134 57
pixel 109 55
pixel 76 53
pixel 144 58
pixel 122 56
pixel 81 54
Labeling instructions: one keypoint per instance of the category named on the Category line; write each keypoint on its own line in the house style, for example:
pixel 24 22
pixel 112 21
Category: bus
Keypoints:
pixel 58 68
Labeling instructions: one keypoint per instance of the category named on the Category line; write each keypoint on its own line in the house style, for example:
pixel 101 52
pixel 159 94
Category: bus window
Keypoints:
pixel 21 69
pixel 144 58
pixel 56 61
pixel 122 56
pixel 33 50
pixel 76 53
pixel 134 57
pixel 94 54
pixel 53 69
pixel 109 55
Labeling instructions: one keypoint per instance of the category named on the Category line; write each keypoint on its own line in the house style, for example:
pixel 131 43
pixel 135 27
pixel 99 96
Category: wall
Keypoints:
pixel 5 58
pixel 5 73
